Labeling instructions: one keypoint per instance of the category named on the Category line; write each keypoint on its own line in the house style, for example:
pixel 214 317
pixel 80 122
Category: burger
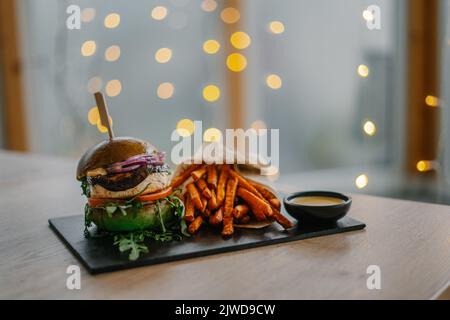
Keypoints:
pixel 127 185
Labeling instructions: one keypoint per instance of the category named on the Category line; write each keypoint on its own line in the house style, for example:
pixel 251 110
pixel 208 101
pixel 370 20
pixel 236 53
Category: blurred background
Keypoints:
pixel 357 88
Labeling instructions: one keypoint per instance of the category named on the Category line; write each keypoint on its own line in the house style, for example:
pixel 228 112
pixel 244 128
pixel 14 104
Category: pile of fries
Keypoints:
pixel 220 196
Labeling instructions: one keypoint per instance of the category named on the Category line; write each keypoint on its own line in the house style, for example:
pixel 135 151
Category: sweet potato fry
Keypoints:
pixel 203 187
pixel 217 217
pixel 195 196
pixel 212 202
pixel 195 225
pixel 206 213
pixel 207 193
pixel 243 183
pixel 204 205
pixel 222 184
pixel 179 180
pixel 197 174
pixel 265 192
pixel 259 207
pixel 228 228
pixel 230 195
pixel 282 220
pixel 201 184
pixel 275 203
pixel 212 176
pixel 240 211
pixel 189 214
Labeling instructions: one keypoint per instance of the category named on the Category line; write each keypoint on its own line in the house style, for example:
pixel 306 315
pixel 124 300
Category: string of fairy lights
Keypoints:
pixel 211 92
pixel 428 165
pixel 370 128
pixel 112 53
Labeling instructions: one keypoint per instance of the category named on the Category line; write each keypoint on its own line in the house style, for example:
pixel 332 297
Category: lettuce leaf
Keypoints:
pixel 135 242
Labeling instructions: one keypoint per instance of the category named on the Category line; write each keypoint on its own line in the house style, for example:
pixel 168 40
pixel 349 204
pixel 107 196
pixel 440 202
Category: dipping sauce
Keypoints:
pixel 318 201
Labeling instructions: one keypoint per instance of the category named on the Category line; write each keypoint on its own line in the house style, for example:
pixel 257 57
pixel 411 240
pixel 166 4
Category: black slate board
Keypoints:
pixel 99 255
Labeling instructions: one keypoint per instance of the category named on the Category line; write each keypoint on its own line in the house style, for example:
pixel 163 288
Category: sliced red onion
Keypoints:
pixel 124 169
pixel 155 159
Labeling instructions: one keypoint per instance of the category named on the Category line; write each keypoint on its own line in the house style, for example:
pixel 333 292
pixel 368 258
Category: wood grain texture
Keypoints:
pixel 410 241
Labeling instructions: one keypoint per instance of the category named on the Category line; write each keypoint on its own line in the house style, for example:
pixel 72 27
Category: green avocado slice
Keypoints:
pixel 127 220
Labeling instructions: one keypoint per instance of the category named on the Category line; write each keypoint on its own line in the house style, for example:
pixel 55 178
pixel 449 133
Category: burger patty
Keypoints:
pixel 121 181
pixel 153 183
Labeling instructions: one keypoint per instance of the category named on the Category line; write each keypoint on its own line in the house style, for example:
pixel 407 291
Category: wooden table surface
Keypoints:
pixel 409 241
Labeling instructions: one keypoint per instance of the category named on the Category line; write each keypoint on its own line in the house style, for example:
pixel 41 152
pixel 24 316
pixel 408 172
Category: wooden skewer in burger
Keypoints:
pixel 127 185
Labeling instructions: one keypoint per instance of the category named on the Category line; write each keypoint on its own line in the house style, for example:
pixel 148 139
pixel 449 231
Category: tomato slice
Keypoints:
pixel 97 202
pixel 155 196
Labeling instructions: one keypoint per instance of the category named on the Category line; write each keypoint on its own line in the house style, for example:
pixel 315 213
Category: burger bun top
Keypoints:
pixel 111 151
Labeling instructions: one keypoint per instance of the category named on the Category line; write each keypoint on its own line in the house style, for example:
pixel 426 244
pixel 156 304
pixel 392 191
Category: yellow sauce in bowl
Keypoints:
pixel 318 201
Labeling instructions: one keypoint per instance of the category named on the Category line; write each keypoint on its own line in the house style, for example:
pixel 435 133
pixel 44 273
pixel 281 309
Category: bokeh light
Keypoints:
pixel 211 46
pixel 363 70
pixel 240 40
pixel 93 115
pixel 424 165
pixel 112 53
pixel 276 27
pixel 165 90
pixel 185 127
pixel 87 14
pixel 159 13
pixel 211 93
pixel 432 101
pixel 236 62
pixel 230 15
pixel 212 135
pixel 274 81
pixel 88 48
pixel 113 88
pixel 94 84
pixel 369 128
pixel 101 127
pixel 163 55
pixel 367 15
pixel 112 20
pixel 361 181
pixel 209 5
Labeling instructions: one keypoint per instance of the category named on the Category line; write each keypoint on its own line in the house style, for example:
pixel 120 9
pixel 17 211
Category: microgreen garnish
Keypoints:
pixel 136 242
pixel 87 220
pixel 133 241
pixel 85 187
